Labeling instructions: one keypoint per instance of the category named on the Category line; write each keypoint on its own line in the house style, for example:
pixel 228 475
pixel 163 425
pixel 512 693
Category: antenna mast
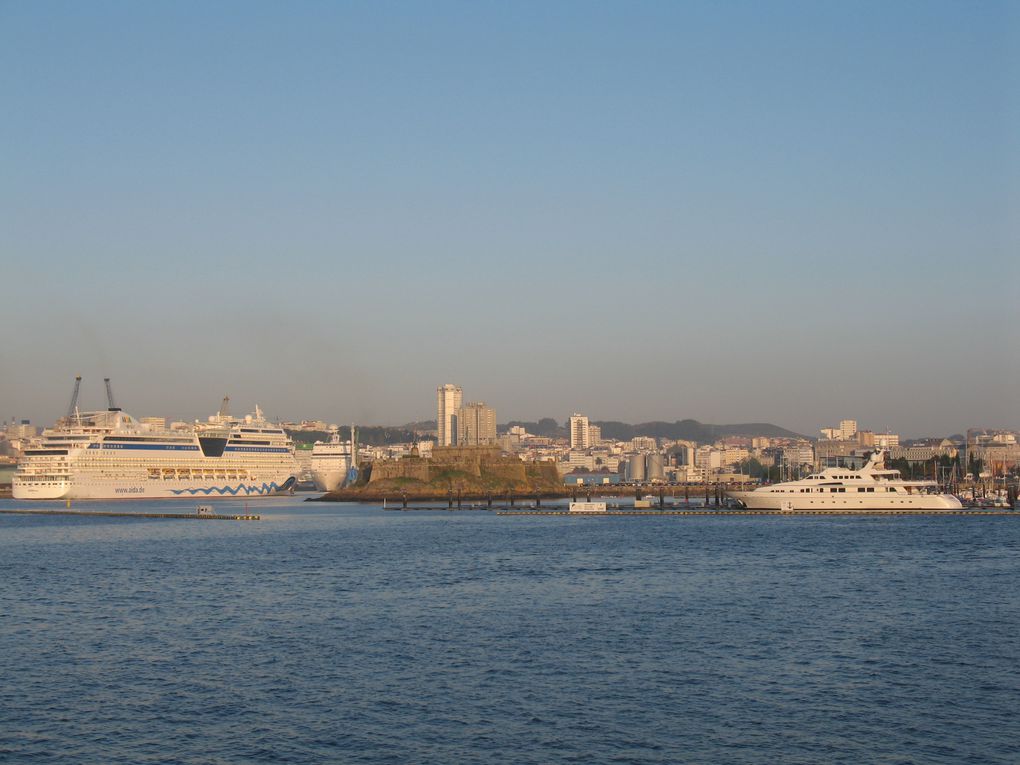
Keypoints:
pixel 109 396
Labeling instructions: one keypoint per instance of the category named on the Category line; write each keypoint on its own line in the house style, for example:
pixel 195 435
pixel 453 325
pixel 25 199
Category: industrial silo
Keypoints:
pixel 655 467
pixel 636 468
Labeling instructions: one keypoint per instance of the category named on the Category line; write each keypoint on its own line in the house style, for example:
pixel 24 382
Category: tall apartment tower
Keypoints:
pixel 476 425
pixel 847 429
pixel 448 401
pixel 580 432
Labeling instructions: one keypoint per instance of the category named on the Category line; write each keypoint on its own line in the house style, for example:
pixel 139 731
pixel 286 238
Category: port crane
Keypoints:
pixel 72 409
pixel 109 396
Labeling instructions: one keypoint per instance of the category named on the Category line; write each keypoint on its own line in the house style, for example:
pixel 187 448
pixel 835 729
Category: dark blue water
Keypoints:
pixel 346 634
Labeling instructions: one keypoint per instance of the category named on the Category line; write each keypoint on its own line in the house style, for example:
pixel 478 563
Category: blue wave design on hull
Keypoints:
pixel 265 488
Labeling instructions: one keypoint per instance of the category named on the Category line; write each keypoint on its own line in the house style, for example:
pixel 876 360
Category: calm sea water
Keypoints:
pixel 329 633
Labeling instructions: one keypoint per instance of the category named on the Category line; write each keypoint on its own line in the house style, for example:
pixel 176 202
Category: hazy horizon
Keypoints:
pixel 789 213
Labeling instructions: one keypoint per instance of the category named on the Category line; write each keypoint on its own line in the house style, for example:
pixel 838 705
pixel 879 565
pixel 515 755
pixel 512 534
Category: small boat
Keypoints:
pixel 587 507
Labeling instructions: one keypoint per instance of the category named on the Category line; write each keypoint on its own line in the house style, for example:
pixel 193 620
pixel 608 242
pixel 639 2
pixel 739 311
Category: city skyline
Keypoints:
pixel 786 213
pixel 449 398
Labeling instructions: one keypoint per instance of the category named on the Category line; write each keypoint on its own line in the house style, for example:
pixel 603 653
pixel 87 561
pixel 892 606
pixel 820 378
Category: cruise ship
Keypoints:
pixel 333 461
pixel 840 489
pixel 110 455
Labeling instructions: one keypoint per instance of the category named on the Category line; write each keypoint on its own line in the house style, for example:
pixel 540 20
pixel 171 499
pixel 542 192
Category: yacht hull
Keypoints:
pixel 756 500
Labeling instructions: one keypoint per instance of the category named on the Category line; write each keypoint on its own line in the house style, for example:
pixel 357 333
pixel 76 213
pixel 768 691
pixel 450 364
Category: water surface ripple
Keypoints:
pixel 345 634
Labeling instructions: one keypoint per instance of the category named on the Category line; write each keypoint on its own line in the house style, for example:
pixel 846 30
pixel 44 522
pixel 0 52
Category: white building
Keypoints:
pixel 847 429
pixel 708 458
pixel 18 431
pixel 799 454
pixel 449 399
pixel 580 432
pixel 887 440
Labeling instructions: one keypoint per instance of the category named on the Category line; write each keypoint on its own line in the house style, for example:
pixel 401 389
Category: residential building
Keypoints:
pixel 476 425
pixel 448 400
pixel 734 456
pixel 580 432
pixel 886 440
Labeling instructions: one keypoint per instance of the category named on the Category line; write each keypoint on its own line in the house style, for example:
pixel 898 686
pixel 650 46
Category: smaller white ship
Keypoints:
pixel 840 489
pixel 334 461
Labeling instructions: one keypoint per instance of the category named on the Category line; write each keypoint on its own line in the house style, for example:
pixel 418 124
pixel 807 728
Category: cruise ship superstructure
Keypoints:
pixel 110 455
pixel 836 489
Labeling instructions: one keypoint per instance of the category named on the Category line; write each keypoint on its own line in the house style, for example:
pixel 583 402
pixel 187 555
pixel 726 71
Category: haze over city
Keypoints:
pixel 786 213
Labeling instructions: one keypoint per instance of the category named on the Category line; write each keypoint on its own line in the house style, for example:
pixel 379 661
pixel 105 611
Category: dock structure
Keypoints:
pixel 618 510
pixel 110 514
pixel 780 513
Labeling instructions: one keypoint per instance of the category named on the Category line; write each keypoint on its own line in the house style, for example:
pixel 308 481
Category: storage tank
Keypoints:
pixel 636 468
pixel 655 467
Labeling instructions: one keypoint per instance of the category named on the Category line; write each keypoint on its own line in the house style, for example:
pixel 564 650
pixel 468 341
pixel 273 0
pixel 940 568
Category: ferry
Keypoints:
pixel 840 489
pixel 111 455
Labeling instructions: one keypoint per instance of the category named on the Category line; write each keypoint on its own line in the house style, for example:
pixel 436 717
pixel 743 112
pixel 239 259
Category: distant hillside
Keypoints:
pixel 691 430
pixel 547 427
pixel 687 430
pixel 420 426
pixel 371 435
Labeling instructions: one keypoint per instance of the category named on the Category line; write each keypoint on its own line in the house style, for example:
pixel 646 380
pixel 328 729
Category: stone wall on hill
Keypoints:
pixel 477 461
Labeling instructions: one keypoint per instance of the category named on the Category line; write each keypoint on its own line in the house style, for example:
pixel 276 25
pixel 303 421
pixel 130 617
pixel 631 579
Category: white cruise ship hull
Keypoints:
pixel 328 480
pixel 50 490
pixel 759 500
pixel 121 489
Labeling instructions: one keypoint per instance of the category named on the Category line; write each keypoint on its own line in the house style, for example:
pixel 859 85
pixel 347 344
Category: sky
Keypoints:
pixel 787 212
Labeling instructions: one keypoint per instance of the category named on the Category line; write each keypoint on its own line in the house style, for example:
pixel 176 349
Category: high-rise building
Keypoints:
pixel 594 434
pixel 847 429
pixel 448 401
pixel 580 432
pixel 476 425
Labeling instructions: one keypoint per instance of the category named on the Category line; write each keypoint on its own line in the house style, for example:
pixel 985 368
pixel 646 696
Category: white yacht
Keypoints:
pixel 111 455
pixel 332 461
pixel 839 489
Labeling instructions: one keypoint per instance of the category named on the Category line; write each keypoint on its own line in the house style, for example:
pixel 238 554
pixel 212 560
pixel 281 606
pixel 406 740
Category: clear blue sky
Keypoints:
pixel 785 212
